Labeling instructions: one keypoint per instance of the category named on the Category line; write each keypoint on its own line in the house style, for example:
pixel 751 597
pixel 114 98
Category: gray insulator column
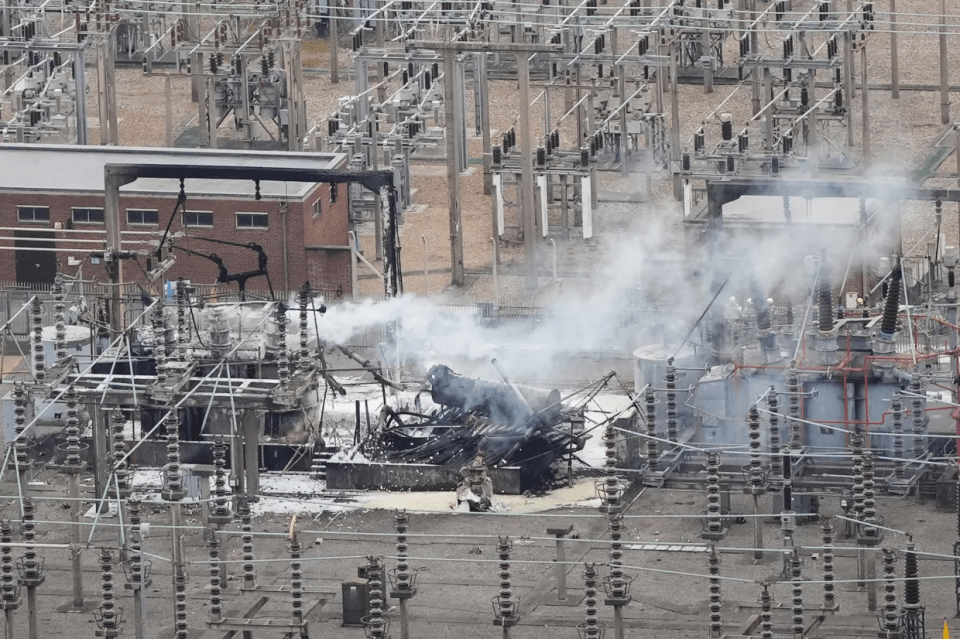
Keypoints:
pixel 716 621
pixel 776 461
pixel 671 386
pixel 653 446
pixel 829 600
pixel 591 628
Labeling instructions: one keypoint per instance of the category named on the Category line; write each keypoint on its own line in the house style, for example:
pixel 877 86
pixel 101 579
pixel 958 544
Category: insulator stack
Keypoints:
pixel 891 616
pixel 825 297
pixel 304 334
pixel 794 388
pixel 375 622
pixel 756 462
pixel 159 324
pixel 716 622
pixel 283 370
pixel 671 385
pixel 797 581
pixel 73 459
pixel 714 522
pixel 776 461
pixel 296 581
pixel 216 603
pixel 766 617
pixel 829 599
pixel 611 488
pixel 919 407
pixel 400 521
pixel 653 446
pixel 914 625
pixel 8 583
pixel 173 478
pixel 108 611
pixel 591 626
pixel 36 315
pixel 31 567
pixel 120 469
pixel 60 322
pixel 618 585
pixel 221 498
pixel 891 305
pixel 505 606
pixel 869 497
pixel 856 444
pixel 19 425
pixel 183 327
pixel 246 540
pixel 136 550
pixel 896 411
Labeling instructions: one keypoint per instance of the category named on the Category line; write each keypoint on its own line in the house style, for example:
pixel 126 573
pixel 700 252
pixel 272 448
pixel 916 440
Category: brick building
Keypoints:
pixel 52 218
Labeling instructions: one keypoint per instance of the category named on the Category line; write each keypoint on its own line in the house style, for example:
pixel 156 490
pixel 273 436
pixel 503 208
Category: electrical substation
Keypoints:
pixel 394 318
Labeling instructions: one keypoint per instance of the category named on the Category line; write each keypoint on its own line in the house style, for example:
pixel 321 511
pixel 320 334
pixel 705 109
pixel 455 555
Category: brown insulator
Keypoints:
pixel 756 461
pixel 776 461
pixel 891 305
pixel 896 411
pixel 766 618
pixel 591 627
pixel 216 604
pixel 829 601
pixel 716 622
pixel 650 413
pixel 825 296
pixel 671 386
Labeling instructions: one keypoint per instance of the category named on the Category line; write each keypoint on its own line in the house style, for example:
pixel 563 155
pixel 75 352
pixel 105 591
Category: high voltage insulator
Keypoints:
pixel 650 413
pixel 829 602
pixel 716 622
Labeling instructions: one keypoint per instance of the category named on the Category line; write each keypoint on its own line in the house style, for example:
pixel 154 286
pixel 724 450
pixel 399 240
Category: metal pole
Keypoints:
pixel 426 287
pixel 894 57
pixel 481 70
pixel 80 91
pixel 675 119
pixel 527 209
pixel 168 110
pixel 865 106
pixel 944 70
pixel 453 174
pixel 75 549
pixel 561 570
pixel 334 39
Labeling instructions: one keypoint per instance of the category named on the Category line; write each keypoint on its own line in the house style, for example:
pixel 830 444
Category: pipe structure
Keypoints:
pixel 370 368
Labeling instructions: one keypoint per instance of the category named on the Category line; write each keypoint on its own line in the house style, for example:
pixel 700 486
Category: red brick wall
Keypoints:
pixel 330 229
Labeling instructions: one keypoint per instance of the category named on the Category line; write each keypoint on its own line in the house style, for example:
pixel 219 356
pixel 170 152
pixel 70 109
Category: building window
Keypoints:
pixel 33 213
pixel 198 218
pixel 333 192
pixel 142 216
pixel 252 221
pixel 317 208
pixel 87 216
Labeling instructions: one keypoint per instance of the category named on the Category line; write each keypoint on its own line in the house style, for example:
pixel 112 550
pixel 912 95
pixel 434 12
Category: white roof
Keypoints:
pixel 77 169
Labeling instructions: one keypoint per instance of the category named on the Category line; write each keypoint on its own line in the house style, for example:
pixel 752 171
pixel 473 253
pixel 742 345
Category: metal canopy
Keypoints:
pixel 116 175
pixel 724 190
